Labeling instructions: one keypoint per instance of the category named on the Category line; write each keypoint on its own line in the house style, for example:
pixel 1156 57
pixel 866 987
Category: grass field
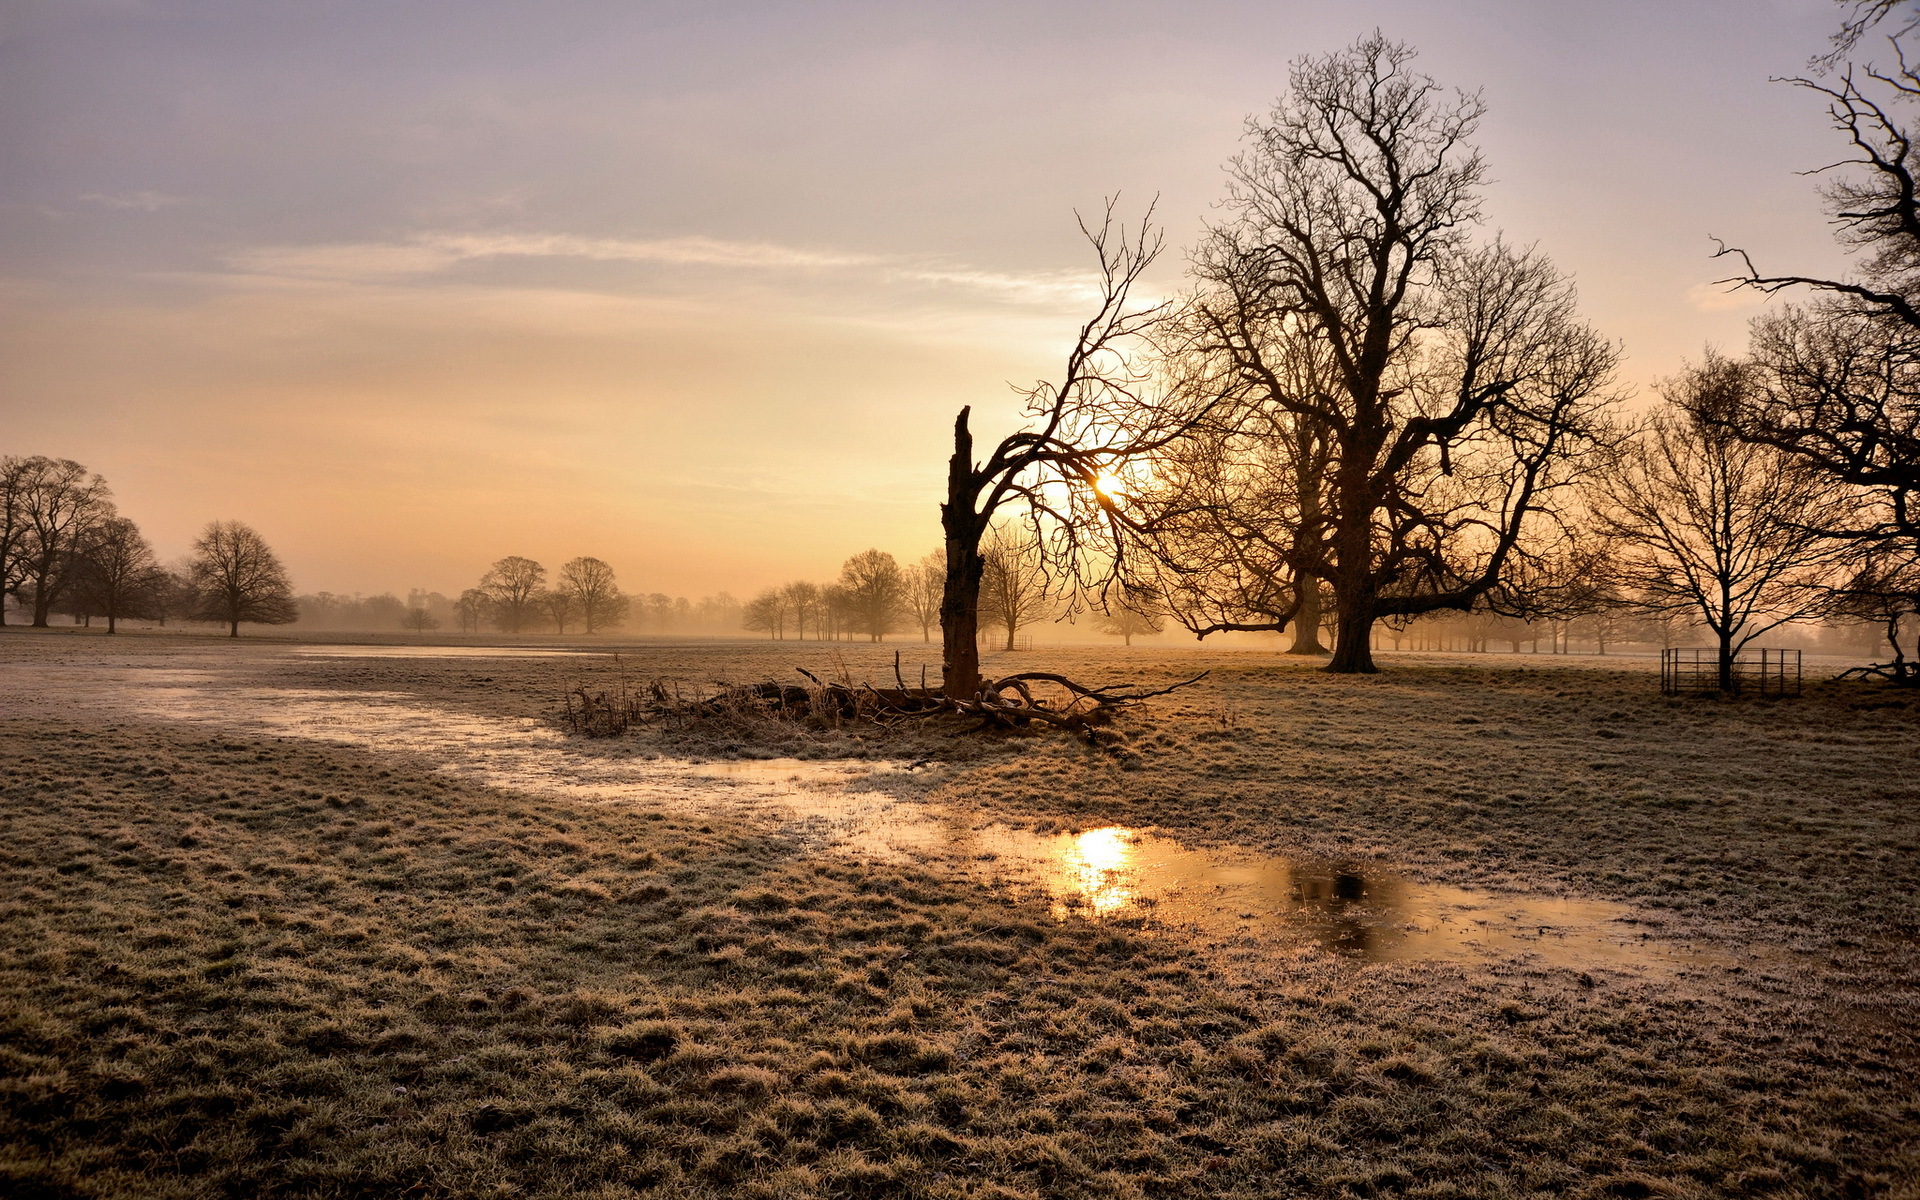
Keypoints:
pixel 236 960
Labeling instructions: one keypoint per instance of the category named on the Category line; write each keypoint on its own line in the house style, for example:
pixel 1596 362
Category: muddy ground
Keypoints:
pixel 244 956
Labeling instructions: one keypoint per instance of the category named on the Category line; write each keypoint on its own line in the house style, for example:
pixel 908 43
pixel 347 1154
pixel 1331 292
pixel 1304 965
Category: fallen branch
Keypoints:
pixel 1010 702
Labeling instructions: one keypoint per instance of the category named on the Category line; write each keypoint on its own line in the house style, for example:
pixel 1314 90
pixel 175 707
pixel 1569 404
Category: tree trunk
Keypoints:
pixel 1306 622
pixel 235 631
pixel 1353 635
pixel 960 591
pixel 1726 662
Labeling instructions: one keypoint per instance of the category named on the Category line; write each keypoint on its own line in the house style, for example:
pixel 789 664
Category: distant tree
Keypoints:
pixel 558 605
pixel 59 502
pixel 767 611
pixel 15 472
pixel 657 612
pixel 596 594
pixel 1883 591
pixel 170 596
pixel 926 580
pixel 1129 615
pixel 1716 528
pixel 419 620
pixel 875 593
pixel 512 587
pixel 118 574
pixel 1014 588
pixel 719 612
pixel 237 577
pixel 470 609
pixel 804 608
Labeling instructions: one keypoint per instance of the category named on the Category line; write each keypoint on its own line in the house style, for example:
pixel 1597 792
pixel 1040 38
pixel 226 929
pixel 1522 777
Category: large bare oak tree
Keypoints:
pixel 237 577
pixel 1443 391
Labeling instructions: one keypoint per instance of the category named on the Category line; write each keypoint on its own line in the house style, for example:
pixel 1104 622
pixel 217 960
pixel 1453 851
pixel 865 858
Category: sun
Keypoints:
pixel 1108 484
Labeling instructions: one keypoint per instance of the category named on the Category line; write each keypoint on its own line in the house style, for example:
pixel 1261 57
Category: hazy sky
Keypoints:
pixel 698 287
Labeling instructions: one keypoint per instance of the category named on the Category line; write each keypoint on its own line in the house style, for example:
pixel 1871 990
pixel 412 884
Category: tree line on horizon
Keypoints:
pixel 66 549
pixel 875 596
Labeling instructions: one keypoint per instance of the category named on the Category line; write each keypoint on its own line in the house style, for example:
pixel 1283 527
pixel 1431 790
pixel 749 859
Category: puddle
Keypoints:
pixel 443 652
pixel 845 806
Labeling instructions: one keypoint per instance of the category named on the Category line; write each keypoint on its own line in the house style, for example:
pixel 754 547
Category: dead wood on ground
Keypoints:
pixel 1016 701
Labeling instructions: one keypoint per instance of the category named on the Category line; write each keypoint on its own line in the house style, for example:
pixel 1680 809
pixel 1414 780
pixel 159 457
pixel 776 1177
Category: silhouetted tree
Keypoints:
pixel 805 607
pixel 1459 388
pixel 874 590
pixel 595 593
pixel 1713 527
pixel 558 605
pixel 237 577
pixel 1014 588
pixel 419 620
pixel 471 609
pixel 512 587
pixel 924 582
pixel 1128 616
pixel 1108 406
pixel 767 611
pixel 59 502
pixel 119 574
pixel 15 474
pixel 1839 377
pixel 170 596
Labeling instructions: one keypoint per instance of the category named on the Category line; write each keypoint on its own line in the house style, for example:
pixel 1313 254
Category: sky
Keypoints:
pixel 698 288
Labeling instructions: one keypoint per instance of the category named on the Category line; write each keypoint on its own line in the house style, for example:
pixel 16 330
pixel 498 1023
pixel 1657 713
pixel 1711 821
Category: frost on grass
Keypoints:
pixel 234 965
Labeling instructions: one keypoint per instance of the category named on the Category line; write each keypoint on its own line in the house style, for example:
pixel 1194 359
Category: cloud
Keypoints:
pixel 144 201
pixel 432 253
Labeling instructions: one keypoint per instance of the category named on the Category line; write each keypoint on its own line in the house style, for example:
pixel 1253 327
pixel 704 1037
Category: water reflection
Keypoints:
pixel 1226 894
pixel 374 651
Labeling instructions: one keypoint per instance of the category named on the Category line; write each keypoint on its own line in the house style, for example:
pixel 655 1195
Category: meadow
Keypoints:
pixel 241 957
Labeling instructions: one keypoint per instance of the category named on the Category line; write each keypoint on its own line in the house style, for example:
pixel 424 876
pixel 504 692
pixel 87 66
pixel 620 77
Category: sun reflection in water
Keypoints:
pixel 1095 869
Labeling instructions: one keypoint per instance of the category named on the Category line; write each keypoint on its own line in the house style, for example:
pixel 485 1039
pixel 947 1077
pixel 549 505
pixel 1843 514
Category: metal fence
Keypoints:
pixel 1754 672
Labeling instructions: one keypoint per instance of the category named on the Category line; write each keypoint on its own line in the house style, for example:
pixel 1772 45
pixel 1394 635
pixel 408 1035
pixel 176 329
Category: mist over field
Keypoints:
pixel 979 602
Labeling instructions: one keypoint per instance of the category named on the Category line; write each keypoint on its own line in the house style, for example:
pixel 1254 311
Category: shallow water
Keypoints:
pixel 359 651
pixel 848 806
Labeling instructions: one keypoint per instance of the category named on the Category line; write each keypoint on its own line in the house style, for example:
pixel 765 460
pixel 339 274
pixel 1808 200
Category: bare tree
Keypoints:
pixel 419 620
pixel 1014 588
pixel 596 594
pixel 1715 528
pixel 512 587
pixel 924 582
pixel 1884 590
pixel 470 609
pixel 1841 374
pixel 558 605
pixel 237 577
pixel 805 608
pixel 1107 407
pixel 1129 615
pixel 1460 390
pixel 767 611
pixel 1236 528
pixel 15 476
pixel 170 595
pixel 875 593
pixel 59 502
pixel 119 573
